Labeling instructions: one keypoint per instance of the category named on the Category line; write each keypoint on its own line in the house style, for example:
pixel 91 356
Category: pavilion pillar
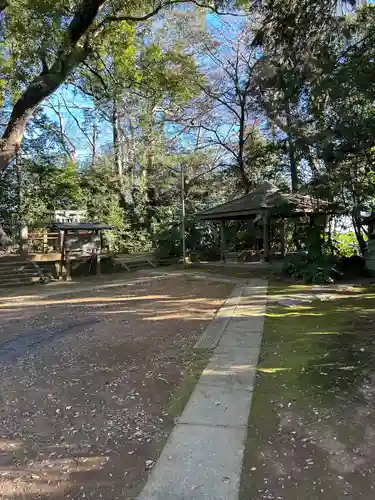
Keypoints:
pixel 266 236
pixel 68 266
pixel 98 252
pixel 45 241
pixel 62 254
pixel 222 240
pixel 282 237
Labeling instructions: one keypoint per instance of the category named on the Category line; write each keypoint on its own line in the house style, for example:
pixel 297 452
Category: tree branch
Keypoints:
pixel 83 19
pixel 81 88
pixel 159 7
pixel 97 75
pixel 219 141
pixel 77 123
pixel 64 137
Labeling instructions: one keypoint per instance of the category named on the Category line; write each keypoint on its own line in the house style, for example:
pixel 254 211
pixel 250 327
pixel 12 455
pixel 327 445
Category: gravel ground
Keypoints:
pixel 85 381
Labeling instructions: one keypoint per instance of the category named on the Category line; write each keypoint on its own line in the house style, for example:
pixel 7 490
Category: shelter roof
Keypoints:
pixel 266 197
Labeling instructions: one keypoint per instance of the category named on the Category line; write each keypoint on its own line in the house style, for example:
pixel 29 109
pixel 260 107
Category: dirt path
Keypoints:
pixel 85 383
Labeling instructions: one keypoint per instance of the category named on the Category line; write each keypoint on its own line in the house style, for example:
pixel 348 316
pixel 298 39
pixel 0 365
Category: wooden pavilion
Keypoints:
pixel 265 205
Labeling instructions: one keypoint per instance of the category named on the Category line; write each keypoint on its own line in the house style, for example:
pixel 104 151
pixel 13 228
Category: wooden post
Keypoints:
pixel 61 239
pixel 183 216
pixel 45 242
pixel 222 240
pixel 266 236
pixel 62 253
pixel 24 241
pixel 98 251
pixel 68 266
pixel 282 236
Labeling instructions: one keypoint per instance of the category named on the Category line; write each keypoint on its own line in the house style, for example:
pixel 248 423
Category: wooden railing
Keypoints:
pixel 44 242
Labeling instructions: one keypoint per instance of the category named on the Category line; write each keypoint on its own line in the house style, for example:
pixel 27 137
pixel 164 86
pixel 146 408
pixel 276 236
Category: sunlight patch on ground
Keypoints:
pixel 273 370
pixel 291 314
pixel 322 333
pixel 7 445
pixel 86 300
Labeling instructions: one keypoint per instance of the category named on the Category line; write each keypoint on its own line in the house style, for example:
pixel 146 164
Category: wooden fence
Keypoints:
pixel 44 242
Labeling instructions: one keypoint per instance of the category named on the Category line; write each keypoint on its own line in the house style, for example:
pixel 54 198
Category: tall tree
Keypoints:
pixel 45 42
pixel 226 107
pixel 292 38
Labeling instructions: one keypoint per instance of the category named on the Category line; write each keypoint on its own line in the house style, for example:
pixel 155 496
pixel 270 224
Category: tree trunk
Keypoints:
pixel 94 138
pixel 50 79
pixel 43 86
pixel 116 142
pixel 12 137
pixel 359 234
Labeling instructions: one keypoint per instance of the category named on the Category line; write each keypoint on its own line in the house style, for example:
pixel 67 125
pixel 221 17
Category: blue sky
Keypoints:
pixel 79 103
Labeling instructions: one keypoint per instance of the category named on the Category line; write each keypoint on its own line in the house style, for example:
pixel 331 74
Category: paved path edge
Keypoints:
pixel 202 458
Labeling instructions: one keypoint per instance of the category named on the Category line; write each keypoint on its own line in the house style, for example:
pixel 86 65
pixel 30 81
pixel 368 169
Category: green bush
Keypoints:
pixel 345 244
pixel 354 267
pixel 312 269
pixel 201 241
pixel 168 243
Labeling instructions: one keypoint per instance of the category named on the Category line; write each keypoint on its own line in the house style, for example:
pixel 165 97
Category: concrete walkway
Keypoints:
pixel 202 458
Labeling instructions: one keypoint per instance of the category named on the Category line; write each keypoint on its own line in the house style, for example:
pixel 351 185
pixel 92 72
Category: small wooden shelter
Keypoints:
pixel 80 240
pixel 266 203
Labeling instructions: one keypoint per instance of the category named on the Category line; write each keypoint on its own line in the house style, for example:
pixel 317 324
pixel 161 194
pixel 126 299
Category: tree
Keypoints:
pixel 45 43
pixel 263 158
pixel 225 109
pixel 316 86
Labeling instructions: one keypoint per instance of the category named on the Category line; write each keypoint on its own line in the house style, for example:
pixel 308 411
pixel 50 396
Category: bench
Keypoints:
pixel 242 256
pixel 134 261
pixel 231 257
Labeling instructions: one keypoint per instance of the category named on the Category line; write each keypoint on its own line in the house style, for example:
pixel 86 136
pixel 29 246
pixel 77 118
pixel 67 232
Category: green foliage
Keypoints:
pixel 202 240
pixel 48 186
pixel 311 269
pixel 152 86
pixel 345 244
pixel 262 159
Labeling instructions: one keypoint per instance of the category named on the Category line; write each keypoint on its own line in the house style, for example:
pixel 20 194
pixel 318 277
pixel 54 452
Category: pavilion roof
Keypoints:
pixel 266 197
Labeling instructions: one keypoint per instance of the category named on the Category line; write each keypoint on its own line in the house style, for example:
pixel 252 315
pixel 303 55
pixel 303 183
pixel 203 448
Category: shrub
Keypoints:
pixel 312 269
pixel 201 241
pixel 354 266
pixel 345 244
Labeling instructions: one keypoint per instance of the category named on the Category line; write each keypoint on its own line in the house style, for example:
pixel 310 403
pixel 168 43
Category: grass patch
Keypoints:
pixel 181 395
pixel 309 414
